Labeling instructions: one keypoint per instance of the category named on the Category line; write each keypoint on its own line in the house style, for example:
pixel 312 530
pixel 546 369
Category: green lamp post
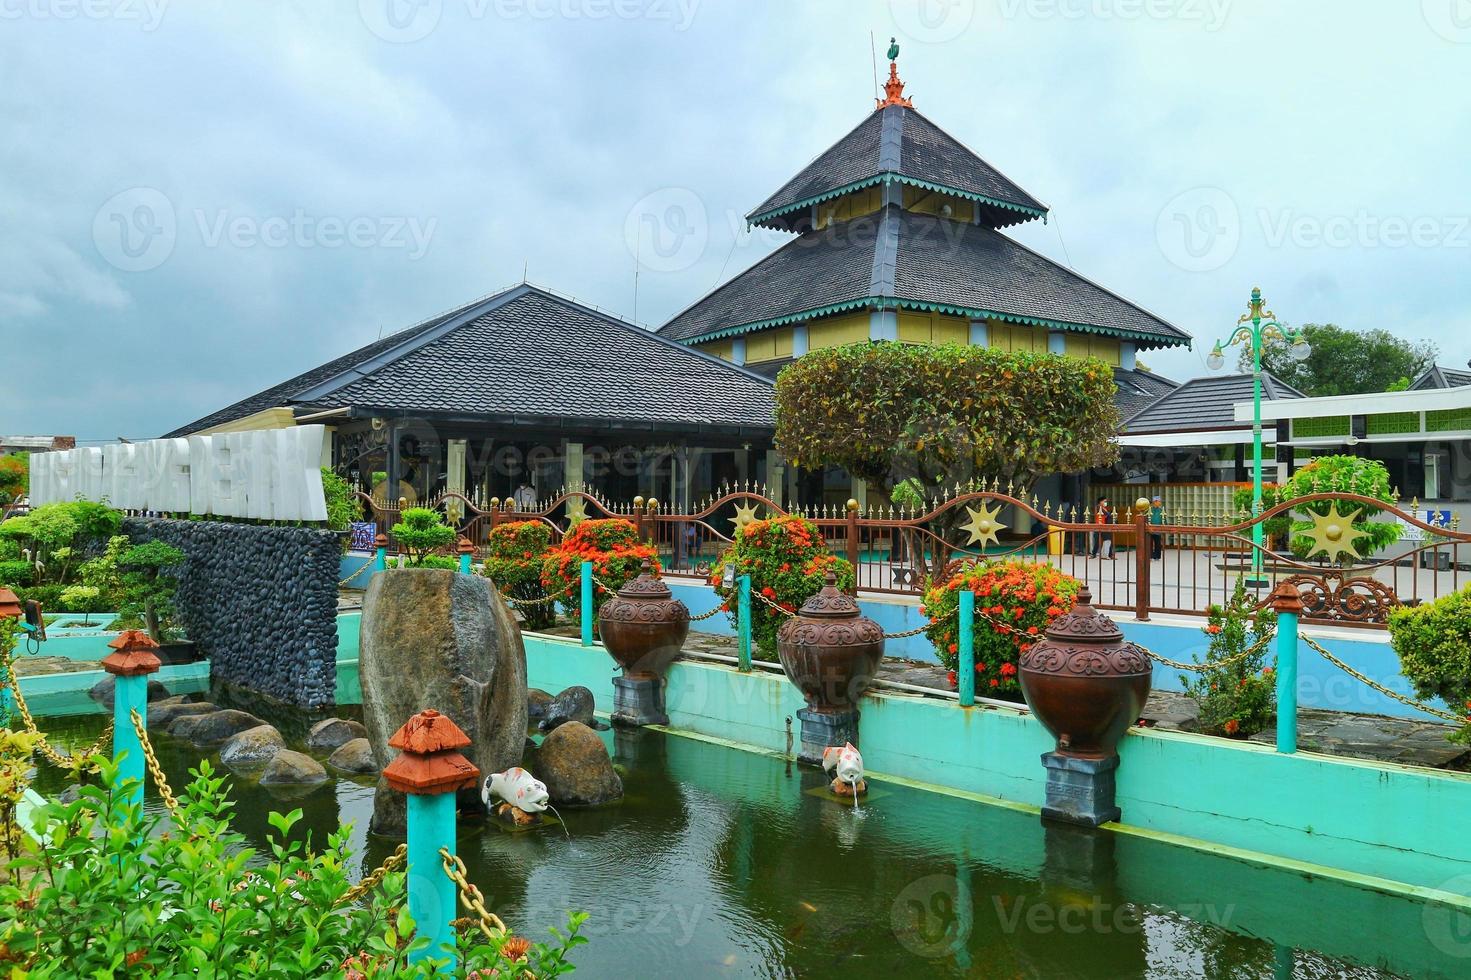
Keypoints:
pixel 1255 327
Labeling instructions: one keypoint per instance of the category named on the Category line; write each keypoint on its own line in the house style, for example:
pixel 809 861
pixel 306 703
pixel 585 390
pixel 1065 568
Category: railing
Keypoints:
pixel 1145 563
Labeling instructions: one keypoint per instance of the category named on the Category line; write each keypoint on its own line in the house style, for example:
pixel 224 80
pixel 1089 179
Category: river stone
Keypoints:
pixel 252 747
pixel 331 733
pixel 162 715
pixel 432 638
pixel 574 764
pixel 354 755
pixel 536 703
pixel 288 768
pixel 214 727
pixel 573 704
pixel 102 691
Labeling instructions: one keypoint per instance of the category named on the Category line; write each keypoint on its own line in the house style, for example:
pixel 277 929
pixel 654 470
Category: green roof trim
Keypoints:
pixel 888 177
pixel 890 302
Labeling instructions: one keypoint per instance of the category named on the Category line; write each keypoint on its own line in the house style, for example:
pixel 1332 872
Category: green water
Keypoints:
pixel 723 863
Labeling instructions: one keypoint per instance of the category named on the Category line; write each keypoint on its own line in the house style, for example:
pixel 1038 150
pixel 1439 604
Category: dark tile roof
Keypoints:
pixel 1202 404
pixel 965 269
pixel 1138 389
pixel 919 152
pixel 528 355
pixel 1441 377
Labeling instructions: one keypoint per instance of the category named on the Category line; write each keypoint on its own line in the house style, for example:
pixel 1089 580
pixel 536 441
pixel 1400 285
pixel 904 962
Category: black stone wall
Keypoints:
pixel 260 602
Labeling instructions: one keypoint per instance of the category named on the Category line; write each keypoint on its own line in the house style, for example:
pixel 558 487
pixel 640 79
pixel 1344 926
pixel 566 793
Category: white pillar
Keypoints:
pixel 776 476
pixel 572 468
pixel 859 492
pixel 454 475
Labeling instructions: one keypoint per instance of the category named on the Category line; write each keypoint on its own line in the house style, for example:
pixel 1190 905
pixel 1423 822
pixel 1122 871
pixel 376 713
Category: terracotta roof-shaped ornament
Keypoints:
pixel 428 761
pixel 10 607
pixel 894 87
pixel 132 655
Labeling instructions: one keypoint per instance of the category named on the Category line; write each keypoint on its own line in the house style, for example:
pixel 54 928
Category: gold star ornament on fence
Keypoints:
pixel 745 513
pixel 983 525
pixel 576 512
pixel 1333 534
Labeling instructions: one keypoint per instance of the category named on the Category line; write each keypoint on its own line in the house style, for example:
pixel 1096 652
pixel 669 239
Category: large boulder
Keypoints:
pixel 330 733
pixel 214 727
pixel 573 704
pixel 103 691
pixel 536 703
pixel 252 747
pixel 288 768
pixel 162 714
pixel 574 764
pixel 432 638
pixel 354 756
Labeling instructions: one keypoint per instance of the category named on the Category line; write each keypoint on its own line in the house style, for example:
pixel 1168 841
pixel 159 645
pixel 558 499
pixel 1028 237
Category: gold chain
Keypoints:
pixel 774 605
pixel 390 864
pixel 60 760
pixel 1381 688
pixel 707 615
pixel 363 568
pixel 159 778
pixel 490 923
pixel 1211 664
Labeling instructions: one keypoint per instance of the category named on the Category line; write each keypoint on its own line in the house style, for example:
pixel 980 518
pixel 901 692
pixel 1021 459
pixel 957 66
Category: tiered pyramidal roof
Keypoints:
pixel 900 215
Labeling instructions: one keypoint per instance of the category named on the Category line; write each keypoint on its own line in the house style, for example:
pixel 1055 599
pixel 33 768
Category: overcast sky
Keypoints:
pixel 202 199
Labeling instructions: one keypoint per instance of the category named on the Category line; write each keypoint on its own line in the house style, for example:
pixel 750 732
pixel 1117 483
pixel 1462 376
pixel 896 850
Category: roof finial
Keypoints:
pixel 894 87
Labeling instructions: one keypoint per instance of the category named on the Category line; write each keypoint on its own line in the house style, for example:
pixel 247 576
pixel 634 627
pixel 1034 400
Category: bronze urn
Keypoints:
pixel 1085 683
pixel 644 626
pixel 830 650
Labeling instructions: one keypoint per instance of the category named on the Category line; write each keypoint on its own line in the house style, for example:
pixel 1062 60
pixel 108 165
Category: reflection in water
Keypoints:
pixel 731 864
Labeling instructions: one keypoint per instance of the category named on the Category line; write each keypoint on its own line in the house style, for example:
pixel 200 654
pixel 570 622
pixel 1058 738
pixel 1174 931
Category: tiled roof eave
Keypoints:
pixel 890 177
pixel 1147 341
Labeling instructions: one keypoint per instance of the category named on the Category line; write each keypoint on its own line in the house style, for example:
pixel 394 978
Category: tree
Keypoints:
pixel 14 476
pixel 421 532
pixel 945 414
pixel 1341 474
pixel 1347 362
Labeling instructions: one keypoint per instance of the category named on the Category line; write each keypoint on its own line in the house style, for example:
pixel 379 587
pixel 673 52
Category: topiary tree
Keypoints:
pixel 945 414
pixel 1433 653
pixel 421 531
pixel 1342 474
pixel 514 556
pixel 149 583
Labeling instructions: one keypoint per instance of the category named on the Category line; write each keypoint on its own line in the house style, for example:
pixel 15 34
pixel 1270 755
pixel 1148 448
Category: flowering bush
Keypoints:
pixel 1433 653
pixel 615 550
pixel 788 564
pixel 1236 699
pixel 1015 602
pixel 514 556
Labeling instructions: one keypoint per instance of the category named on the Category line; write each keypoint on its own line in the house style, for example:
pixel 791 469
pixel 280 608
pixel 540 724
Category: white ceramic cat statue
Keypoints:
pixel 846 765
pixel 517 787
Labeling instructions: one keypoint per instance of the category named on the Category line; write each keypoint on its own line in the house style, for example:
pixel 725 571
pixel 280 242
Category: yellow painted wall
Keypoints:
pixel 769 345
pixel 834 331
pixel 1017 337
pixel 932 328
pixel 1092 345
pixel 919 200
pixel 720 348
pixel 854 205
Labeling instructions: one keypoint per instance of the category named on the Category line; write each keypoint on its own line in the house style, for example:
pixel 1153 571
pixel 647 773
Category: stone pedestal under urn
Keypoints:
pixel 643 628
pixel 1086 684
pixel 830 651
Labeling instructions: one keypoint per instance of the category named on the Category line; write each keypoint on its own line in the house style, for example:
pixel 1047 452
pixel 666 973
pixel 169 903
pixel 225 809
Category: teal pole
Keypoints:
pixel 380 554
pixel 1258 539
pixel 464 563
pixel 1286 602
pixel 587 603
pixel 431 826
pixel 966 645
pixel 130 694
pixel 743 617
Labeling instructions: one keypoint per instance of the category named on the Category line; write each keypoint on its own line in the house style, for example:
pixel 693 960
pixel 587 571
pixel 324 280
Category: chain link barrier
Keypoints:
pixel 365 567
pixel 156 770
pixel 1408 702
pixel 72 763
pixel 1231 661
pixel 470 897
pixel 707 615
pixel 392 863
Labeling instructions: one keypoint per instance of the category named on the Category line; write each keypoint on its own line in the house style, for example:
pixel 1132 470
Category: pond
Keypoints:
pixel 726 863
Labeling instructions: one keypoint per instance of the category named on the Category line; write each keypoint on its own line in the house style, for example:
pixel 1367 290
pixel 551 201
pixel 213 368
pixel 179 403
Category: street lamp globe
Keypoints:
pixel 1300 350
pixel 1216 360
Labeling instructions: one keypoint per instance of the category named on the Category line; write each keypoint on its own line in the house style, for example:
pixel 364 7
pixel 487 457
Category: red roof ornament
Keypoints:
pixel 894 87
pixel 428 762
pixel 10 607
pixel 133 655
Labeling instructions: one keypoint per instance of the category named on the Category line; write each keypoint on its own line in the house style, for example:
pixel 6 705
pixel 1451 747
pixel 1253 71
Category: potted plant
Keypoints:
pixel 1237 695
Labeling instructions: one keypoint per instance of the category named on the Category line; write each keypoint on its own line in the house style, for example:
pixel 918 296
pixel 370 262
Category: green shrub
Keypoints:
pixel 61 535
pixel 49 597
pixel 1236 699
pixel 1275 528
pixel 515 553
pixel 1015 603
pixel 1344 474
pixel 93 901
pixel 16 574
pixel 788 564
pixel 617 554
pixel 1434 653
pixel 421 531
pixel 343 507
pixel 149 581
pixel 439 561
pixel 14 476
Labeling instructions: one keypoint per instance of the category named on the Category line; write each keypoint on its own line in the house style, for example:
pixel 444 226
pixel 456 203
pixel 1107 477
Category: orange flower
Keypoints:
pixel 1232 726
